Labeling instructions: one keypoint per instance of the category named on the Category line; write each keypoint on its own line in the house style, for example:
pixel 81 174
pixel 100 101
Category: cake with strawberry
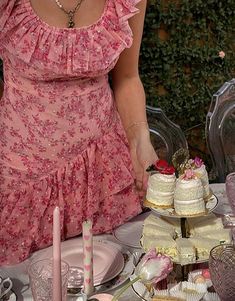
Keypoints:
pixel 161 184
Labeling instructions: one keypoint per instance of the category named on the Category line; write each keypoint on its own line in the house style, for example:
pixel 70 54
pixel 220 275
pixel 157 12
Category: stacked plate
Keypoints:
pixel 112 263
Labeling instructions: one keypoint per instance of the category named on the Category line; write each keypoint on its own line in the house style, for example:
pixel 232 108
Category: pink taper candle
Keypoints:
pixel 57 294
pixel 88 257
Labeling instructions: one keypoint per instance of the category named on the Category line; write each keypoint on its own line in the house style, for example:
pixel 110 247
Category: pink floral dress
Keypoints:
pixel 61 140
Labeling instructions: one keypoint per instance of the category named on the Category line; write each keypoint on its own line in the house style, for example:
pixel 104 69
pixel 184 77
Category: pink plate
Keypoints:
pixel 108 261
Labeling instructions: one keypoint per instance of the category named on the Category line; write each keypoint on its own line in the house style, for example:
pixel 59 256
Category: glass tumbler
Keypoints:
pixel 222 270
pixel 230 190
pixel 40 278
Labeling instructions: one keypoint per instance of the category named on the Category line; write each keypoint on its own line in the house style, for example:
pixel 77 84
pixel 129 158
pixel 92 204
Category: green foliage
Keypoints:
pixel 180 64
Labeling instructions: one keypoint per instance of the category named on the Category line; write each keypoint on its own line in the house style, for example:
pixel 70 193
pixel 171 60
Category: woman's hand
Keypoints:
pixel 142 155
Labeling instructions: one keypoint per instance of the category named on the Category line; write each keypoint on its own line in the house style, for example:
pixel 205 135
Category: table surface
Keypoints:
pixel 18 274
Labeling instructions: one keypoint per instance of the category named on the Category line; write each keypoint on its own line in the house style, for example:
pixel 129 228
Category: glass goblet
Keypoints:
pixel 230 190
pixel 222 271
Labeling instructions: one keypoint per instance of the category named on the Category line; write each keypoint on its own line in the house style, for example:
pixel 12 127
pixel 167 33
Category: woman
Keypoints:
pixel 63 129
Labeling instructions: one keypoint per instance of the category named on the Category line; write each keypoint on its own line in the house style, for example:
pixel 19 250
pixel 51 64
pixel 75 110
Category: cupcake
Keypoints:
pixel 200 276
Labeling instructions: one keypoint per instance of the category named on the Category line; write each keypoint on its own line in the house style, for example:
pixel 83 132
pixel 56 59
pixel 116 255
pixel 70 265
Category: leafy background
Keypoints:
pixel 180 64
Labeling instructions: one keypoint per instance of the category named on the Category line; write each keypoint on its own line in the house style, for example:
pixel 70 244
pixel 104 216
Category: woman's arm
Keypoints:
pixel 128 89
pixel 130 101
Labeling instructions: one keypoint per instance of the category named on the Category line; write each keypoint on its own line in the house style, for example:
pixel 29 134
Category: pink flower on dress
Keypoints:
pixel 222 54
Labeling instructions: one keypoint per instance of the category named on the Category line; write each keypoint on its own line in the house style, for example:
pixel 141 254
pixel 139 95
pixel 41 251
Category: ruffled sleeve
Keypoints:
pixel 126 9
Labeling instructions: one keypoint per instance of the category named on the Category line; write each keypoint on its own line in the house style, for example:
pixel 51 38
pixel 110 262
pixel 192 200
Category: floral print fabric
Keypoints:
pixel 61 139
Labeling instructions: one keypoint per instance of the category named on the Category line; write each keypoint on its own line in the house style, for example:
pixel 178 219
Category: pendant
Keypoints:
pixel 71 21
pixel 71 24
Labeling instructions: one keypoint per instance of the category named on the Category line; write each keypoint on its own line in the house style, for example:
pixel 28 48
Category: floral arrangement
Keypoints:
pixel 188 174
pixel 152 268
pixel 190 164
pixel 196 162
pixel 162 167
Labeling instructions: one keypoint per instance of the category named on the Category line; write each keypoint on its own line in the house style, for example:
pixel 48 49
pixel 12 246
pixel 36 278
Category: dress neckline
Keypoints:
pixel 44 24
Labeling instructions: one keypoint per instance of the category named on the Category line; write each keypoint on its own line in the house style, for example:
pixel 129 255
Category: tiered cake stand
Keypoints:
pixel 211 204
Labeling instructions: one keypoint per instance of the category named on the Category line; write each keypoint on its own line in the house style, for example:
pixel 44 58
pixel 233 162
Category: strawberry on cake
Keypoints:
pixel 161 184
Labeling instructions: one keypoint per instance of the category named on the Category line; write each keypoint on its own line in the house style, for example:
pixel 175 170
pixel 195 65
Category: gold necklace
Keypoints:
pixel 69 13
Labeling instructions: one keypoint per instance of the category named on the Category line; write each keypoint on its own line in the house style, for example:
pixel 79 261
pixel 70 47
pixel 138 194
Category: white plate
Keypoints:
pixel 170 212
pixel 108 260
pixel 223 205
pixel 123 276
pixel 130 233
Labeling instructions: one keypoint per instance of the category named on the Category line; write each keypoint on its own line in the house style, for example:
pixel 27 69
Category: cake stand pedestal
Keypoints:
pixel 183 227
pixel 184 268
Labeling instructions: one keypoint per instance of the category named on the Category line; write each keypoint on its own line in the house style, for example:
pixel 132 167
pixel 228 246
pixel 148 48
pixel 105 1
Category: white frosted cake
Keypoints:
pixel 160 191
pixel 188 197
pixel 200 171
pixel 202 174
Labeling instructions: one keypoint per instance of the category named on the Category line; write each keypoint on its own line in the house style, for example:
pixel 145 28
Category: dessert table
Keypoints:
pixel 19 276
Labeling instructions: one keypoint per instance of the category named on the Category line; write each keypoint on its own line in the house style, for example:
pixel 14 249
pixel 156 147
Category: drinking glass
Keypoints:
pixel 222 270
pixel 41 281
pixel 230 190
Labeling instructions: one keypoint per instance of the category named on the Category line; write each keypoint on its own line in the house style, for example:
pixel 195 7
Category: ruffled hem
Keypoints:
pixel 79 50
pixel 93 184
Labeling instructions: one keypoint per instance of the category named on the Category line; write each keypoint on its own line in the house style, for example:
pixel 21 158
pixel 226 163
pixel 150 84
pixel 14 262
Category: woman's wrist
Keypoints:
pixel 136 125
pixel 137 130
